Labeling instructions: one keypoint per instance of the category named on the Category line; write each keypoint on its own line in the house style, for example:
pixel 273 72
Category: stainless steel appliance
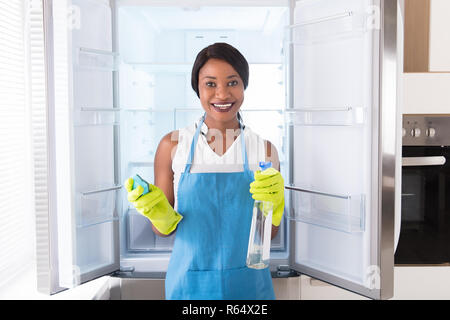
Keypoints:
pixel 425 223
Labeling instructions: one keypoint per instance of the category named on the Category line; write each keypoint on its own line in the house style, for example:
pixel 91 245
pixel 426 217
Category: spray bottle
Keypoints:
pixel 258 254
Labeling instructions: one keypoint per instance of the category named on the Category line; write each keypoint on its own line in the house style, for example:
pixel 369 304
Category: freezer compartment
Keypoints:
pixel 344 213
pixel 97 206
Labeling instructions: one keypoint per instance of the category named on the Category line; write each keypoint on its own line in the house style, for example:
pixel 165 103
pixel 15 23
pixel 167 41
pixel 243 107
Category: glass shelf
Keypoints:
pixel 177 67
pixel 344 213
pixel 319 116
pixel 173 68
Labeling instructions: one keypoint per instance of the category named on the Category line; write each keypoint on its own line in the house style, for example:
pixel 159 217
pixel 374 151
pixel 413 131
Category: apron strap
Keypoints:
pixel 244 153
pixel 194 144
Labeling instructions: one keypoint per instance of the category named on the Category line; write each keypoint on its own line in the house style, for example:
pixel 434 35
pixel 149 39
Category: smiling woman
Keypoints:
pixel 204 172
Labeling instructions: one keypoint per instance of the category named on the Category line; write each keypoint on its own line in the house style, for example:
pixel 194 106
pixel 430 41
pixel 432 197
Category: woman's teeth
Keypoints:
pixel 222 106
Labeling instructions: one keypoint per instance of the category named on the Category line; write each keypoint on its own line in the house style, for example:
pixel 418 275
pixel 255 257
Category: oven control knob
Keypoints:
pixel 431 132
pixel 404 132
pixel 416 132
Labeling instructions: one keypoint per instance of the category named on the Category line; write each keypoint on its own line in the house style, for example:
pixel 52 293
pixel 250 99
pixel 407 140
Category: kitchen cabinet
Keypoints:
pixel 440 36
pixel 427 40
pixel 426 93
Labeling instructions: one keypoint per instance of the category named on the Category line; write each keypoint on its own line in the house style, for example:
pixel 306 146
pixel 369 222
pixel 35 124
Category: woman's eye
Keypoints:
pixel 210 84
pixel 233 83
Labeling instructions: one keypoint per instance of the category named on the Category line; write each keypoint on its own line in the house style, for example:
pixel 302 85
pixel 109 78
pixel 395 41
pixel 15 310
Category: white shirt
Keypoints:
pixel 206 160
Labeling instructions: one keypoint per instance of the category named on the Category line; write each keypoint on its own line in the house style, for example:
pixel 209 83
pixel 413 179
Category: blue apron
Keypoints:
pixel 208 259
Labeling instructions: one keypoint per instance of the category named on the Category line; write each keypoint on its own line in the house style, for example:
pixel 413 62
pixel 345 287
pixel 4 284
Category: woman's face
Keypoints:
pixel 221 91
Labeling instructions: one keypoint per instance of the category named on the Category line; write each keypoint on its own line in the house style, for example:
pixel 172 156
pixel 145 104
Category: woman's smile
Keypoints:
pixel 222 106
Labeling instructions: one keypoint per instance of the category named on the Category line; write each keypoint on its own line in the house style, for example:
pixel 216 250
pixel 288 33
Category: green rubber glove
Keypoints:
pixel 269 186
pixel 155 206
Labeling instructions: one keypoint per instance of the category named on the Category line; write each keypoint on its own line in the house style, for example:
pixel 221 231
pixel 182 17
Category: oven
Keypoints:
pixel 425 220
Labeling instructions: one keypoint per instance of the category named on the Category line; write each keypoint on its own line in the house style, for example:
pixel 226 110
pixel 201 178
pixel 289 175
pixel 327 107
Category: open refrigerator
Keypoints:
pixel 323 89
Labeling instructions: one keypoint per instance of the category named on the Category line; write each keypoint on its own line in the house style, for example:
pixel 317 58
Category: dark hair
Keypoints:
pixel 222 51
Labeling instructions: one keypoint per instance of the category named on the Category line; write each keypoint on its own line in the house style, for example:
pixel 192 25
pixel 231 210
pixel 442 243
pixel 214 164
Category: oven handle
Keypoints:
pixel 423 161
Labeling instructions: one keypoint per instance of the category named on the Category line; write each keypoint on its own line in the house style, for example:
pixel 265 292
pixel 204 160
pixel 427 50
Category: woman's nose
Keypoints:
pixel 222 92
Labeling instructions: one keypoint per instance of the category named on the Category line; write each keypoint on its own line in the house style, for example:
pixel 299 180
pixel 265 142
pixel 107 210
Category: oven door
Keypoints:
pixel 425 227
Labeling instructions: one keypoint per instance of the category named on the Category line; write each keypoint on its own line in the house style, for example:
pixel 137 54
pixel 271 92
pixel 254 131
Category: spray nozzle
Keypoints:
pixel 265 165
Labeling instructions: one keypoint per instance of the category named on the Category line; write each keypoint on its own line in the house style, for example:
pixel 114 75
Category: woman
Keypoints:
pixel 205 189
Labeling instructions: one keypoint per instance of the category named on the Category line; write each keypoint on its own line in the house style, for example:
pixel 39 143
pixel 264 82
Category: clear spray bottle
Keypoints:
pixel 258 254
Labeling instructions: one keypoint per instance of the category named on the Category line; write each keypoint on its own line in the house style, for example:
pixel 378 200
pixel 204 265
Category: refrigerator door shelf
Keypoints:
pixel 321 116
pixel 98 206
pixel 344 213
pixel 341 23
pixel 95 60
pixel 87 116
pixel 93 248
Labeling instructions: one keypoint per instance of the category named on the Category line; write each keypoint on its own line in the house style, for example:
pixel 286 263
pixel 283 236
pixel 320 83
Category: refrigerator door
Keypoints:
pixel 81 80
pixel 342 125
pixel 96 130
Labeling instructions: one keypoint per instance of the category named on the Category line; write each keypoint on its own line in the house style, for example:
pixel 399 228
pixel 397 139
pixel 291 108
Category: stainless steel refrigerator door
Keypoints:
pixel 342 120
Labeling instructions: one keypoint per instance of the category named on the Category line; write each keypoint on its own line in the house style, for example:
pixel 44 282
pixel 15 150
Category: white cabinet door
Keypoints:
pixel 343 138
pixel 439 36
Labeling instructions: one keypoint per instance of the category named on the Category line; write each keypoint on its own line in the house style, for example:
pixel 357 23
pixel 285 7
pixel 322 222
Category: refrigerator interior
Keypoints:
pixel 157 47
